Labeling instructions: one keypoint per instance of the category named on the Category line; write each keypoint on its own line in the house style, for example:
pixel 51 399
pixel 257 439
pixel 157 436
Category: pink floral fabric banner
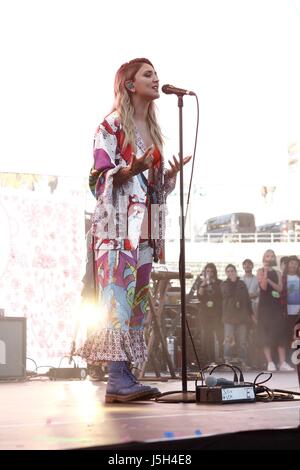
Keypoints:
pixel 42 257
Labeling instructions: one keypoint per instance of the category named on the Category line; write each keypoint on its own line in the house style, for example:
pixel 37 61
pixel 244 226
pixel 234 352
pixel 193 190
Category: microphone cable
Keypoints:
pixel 193 160
pixel 230 366
pixel 266 394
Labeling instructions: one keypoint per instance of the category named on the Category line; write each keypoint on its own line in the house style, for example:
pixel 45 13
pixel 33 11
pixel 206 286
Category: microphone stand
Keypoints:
pixel 184 396
pixel 182 253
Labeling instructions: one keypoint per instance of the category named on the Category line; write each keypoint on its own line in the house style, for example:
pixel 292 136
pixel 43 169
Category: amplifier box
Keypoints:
pixel 12 348
pixel 67 373
pixel 225 394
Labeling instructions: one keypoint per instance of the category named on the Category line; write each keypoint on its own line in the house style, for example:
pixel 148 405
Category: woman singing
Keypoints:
pixel 130 183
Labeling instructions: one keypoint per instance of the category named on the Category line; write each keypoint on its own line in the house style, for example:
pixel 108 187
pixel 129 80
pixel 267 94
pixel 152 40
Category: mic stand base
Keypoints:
pixel 177 397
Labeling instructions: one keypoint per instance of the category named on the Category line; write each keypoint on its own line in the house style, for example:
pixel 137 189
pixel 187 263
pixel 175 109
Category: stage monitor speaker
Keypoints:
pixel 12 348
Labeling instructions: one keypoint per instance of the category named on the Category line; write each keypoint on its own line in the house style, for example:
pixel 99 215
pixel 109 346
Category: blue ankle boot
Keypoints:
pixel 121 387
pixel 153 391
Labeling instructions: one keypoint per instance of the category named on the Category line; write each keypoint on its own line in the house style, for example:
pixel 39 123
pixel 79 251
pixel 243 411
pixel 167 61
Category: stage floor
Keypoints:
pixel 44 414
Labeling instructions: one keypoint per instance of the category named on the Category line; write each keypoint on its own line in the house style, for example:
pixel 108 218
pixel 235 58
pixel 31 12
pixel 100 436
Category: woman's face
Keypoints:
pixel 269 258
pixel 146 83
pixel 231 274
pixel 209 273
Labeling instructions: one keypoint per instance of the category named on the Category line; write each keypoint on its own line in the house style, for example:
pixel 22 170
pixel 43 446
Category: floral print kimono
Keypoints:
pixel 128 230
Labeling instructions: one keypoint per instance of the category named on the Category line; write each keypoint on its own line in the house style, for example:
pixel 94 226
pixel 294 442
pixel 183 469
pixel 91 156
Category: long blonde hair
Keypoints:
pixel 123 105
pixel 274 263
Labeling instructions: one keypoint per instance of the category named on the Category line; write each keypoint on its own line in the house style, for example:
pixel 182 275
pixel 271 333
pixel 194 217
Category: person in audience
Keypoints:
pixel 271 319
pixel 210 297
pixel 252 284
pixel 237 315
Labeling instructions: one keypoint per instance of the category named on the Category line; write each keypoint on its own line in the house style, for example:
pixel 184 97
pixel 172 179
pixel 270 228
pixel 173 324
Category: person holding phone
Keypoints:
pixel 210 297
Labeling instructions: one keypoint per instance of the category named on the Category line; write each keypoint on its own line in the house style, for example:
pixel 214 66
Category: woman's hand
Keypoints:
pixel 201 288
pixel 175 167
pixel 274 285
pixel 138 165
pixel 262 278
pixel 95 172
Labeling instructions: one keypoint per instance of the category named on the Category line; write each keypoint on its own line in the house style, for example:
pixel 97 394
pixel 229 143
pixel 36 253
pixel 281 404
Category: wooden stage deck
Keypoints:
pixel 44 414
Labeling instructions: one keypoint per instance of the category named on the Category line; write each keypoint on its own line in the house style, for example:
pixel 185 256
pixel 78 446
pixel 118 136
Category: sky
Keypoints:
pixel 241 57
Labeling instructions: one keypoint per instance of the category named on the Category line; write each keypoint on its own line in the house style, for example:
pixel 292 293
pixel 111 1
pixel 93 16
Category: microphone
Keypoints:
pixel 212 381
pixel 172 90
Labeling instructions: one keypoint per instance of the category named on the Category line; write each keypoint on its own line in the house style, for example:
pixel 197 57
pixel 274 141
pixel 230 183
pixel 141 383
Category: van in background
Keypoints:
pixel 283 230
pixel 232 224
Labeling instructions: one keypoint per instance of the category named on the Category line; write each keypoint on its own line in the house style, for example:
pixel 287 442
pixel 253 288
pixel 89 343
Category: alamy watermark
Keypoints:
pixel 295 357
pixel 127 216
